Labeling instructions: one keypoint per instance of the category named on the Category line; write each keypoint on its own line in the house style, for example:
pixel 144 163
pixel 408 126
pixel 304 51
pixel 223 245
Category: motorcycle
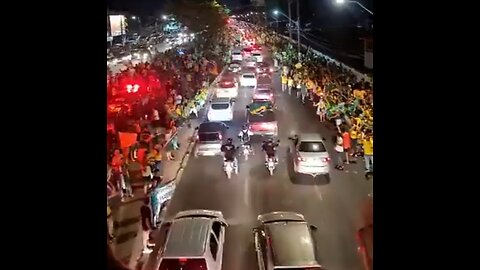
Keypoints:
pixel 247 150
pixel 228 169
pixel 271 165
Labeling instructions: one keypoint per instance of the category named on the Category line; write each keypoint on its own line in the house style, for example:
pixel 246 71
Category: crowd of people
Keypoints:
pixel 148 102
pixel 340 99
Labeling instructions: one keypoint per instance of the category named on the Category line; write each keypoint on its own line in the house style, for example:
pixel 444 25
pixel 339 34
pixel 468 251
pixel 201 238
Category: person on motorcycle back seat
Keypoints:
pixel 245 134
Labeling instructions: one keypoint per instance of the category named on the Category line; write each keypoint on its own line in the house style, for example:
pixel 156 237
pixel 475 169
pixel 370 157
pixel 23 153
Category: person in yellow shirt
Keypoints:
pixel 367 143
pixel 284 82
pixel 290 85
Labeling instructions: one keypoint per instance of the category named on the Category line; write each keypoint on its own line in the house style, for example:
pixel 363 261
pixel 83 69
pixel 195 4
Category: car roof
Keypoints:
pixel 292 244
pixel 187 237
pixel 314 137
pixel 221 100
pixel 211 127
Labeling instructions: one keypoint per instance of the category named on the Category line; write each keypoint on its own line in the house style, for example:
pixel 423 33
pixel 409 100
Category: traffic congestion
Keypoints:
pixel 279 170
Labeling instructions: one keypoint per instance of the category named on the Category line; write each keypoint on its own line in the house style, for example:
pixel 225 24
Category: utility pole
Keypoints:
pixel 290 16
pixel 298 30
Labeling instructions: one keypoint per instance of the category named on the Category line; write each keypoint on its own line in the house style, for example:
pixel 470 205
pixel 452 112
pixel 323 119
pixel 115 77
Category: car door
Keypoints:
pixel 260 248
pixel 218 231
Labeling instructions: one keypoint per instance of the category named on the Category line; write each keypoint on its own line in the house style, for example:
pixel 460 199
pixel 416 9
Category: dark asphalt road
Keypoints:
pixel 335 207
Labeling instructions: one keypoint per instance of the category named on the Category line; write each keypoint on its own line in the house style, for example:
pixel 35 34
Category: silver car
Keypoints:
pixel 310 155
pixel 210 138
pixel 283 240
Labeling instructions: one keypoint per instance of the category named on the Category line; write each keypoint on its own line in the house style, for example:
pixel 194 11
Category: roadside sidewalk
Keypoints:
pixel 127 246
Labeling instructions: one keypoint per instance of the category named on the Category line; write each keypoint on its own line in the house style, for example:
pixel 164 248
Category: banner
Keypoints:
pixel 127 139
pixel 158 197
pixel 260 107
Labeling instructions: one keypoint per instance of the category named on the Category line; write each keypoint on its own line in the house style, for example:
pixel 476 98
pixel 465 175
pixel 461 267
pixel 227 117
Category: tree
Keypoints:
pixel 199 15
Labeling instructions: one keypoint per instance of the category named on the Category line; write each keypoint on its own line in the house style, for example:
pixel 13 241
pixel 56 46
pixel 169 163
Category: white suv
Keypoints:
pixel 194 240
pixel 220 110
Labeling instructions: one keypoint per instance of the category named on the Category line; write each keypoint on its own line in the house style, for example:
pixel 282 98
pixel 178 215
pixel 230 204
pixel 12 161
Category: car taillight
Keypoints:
pixel 219 136
pixel 271 95
pixel 300 158
pixel 183 260
pixel 271 69
pixel 198 137
pixel 327 159
pixel 258 70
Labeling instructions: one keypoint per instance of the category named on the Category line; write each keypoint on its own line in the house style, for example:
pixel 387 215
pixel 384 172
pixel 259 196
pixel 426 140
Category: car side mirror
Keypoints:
pixel 290 138
pixel 247 107
pixel 313 227
pixel 196 128
pixel 278 141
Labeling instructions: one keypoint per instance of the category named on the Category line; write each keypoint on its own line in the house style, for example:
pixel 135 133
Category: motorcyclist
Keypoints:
pixel 269 148
pixel 245 134
pixel 228 150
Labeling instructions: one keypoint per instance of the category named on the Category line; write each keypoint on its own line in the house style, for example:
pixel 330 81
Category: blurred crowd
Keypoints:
pixel 341 99
pixel 152 100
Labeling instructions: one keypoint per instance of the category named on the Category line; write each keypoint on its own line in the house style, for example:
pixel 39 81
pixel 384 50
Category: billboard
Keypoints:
pixel 117 25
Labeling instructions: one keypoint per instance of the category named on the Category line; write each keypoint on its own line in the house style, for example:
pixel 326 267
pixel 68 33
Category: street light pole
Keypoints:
pixel 341 2
pixel 289 15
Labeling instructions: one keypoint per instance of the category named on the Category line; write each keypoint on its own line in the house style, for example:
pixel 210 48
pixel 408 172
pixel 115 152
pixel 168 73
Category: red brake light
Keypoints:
pixel 271 94
pixel 198 137
pixel 258 70
pixel 183 260
pixel 219 136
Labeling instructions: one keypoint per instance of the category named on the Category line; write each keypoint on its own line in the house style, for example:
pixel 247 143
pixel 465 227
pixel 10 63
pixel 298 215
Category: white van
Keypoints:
pixel 194 240
pixel 237 55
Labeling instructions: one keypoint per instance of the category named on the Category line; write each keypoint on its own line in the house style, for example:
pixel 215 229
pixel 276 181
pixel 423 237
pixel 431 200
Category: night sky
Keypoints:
pixel 321 12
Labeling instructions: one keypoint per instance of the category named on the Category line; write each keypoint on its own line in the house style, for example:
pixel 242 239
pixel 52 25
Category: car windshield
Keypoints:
pixel 312 147
pixel 263 92
pixel 211 136
pixel 220 106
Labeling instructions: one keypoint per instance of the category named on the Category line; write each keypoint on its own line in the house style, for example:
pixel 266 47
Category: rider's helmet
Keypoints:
pixel 229 140
pixel 270 140
pixel 245 127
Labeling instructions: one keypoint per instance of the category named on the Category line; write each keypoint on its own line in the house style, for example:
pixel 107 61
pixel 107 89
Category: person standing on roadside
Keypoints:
pixel 347 144
pixel 338 140
pixel 284 82
pixel 367 143
pixel 290 84
pixel 146 174
pixel 111 236
pixel 146 217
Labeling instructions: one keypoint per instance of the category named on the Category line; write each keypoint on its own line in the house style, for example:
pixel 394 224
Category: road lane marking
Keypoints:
pixel 246 190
